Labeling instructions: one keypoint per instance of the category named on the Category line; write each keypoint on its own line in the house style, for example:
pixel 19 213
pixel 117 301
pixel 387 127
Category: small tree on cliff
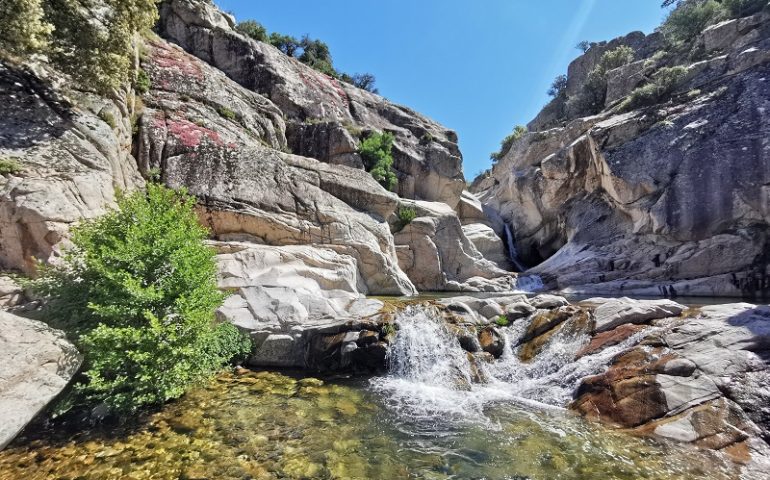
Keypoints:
pixel 137 293
pixel 376 152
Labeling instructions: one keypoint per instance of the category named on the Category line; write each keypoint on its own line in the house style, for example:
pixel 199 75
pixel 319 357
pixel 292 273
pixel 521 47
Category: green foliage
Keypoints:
pixel 623 55
pixel 507 143
pixel 376 153
pixel 97 53
pixel 364 81
pixel 285 43
pixel 592 97
pixel 143 82
pixel 253 29
pixel 389 330
pixel 583 46
pixel 227 113
pixel 426 138
pixel 9 166
pixel 558 86
pixel 25 30
pixel 502 321
pixel 664 81
pixel 685 22
pixel 137 293
pixel 91 40
pixel 108 118
pixel 405 216
pixel 742 8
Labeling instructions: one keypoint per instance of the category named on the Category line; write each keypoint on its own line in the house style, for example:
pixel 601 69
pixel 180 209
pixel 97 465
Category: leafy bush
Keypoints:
pixel 143 82
pixel 507 143
pixel 405 216
pixel 664 81
pixel 253 29
pixel 685 22
pixel 502 321
pixel 742 8
pixel 285 43
pixel 108 118
pixel 364 81
pixel 584 46
pixel 592 97
pixel 137 293
pixel 558 86
pixel 376 152
pixel 227 113
pixel 9 166
pixel 25 30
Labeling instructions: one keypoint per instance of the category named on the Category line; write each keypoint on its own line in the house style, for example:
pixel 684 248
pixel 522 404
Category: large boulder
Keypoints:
pixel 436 255
pixel 36 363
pixel 319 109
pixel 488 244
pixel 614 312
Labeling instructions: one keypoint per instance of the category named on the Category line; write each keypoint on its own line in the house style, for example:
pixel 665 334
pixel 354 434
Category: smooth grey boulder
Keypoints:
pixel 36 363
pixel 618 311
pixel 546 301
pixel 488 243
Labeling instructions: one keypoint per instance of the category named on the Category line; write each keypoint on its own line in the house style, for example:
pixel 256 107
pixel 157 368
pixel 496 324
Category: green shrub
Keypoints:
pixel 508 141
pixel 558 86
pixel 227 113
pixel 502 321
pixel 137 294
pixel 742 8
pixel 664 81
pixel 25 30
pixel 108 118
pixel 689 19
pixel 143 82
pixel 9 166
pixel 593 95
pixel 426 138
pixel 405 216
pixel 253 29
pixel 376 153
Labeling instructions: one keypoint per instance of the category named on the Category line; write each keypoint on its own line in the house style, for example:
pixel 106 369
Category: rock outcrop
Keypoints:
pixel 36 363
pixel 74 151
pixel 320 111
pixel 667 199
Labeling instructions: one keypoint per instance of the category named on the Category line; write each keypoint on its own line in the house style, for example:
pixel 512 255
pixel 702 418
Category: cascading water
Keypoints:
pixel 430 375
pixel 513 255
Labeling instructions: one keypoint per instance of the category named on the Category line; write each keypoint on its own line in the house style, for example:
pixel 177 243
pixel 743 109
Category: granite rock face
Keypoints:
pixel 668 199
pixel 36 363
pixel 319 110
pixel 74 151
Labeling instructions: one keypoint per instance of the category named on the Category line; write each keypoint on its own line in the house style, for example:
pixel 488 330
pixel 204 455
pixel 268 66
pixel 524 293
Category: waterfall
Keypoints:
pixel 430 376
pixel 512 253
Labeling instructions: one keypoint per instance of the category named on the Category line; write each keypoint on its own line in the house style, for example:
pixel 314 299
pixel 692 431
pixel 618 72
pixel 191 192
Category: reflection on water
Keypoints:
pixel 270 425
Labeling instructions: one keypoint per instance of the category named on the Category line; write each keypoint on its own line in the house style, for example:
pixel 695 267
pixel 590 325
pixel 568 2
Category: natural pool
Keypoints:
pixel 267 425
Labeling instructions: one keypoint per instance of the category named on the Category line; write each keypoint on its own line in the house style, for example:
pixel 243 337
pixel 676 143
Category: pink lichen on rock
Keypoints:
pixel 190 134
pixel 175 62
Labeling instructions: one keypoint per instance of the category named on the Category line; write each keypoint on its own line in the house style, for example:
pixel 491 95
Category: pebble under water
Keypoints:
pixel 267 425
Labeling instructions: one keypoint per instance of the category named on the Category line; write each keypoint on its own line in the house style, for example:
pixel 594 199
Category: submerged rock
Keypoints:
pixel 36 363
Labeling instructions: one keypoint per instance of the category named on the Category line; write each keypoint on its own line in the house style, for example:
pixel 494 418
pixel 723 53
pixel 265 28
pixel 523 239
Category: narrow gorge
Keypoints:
pixel 590 307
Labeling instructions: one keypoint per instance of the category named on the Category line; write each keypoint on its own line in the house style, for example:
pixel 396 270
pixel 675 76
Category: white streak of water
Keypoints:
pixel 430 375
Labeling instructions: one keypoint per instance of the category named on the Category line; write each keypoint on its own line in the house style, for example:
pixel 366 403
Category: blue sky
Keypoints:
pixel 479 67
